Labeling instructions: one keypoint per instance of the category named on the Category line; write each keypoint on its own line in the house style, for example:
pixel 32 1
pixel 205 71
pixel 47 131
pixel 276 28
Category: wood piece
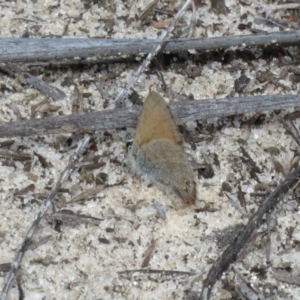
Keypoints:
pixel 41 49
pixel 127 117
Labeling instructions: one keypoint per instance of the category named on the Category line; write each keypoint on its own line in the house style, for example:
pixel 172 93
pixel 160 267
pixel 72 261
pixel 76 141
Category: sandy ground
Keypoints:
pixel 82 261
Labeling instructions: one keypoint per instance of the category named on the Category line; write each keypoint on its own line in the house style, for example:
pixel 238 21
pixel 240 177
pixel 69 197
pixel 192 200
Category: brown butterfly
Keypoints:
pixel 156 150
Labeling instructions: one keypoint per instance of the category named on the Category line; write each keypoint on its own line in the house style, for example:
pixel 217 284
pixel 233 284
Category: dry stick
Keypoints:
pixel 64 175
pixel 150 56
pixel 39 84
pixel 39 49
pixel 70 217
pixel 230 254
pixel 161 272
pixel 127 117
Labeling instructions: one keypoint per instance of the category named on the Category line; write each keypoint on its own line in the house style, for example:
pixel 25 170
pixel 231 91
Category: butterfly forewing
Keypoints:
pixel 156 122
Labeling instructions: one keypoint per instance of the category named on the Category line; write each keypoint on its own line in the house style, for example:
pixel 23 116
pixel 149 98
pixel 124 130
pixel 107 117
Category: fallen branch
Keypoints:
pixel 127 117
pixel 40 49
pixel 230 254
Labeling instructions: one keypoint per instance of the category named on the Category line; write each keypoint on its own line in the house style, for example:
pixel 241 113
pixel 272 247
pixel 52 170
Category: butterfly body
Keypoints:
pixel 156 150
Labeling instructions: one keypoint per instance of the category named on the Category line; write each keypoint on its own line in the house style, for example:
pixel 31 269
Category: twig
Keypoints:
pixel 88 193
pixel 162 272
pixel 127 117
pixel 159 209
pixel 39 49
pixel 43 240
pixel 237 206
pixel 15 155
pixel 40 85
pixel 148 59
pixel 193 21
pixel 70 217
pixel 230 254
pixel 270 223
pixel 148 254
pixel 22 248
pixel 291 129
pixel 246 289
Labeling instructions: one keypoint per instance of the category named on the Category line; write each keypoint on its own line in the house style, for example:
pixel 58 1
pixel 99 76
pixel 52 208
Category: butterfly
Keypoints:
pixel 157 150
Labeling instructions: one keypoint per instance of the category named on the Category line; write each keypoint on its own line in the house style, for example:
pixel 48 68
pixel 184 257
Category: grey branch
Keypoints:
pixel 127 117
pixel 39 49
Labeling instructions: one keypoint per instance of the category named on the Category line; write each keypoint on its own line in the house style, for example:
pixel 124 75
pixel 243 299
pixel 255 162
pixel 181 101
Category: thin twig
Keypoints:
pixel 127 117
pixel 193 21
pixel 162 272
pixel 230 254
pixel 42 86
pixel 22 248
pixel 150 56
pixel 70 217
pixel 246 289
pixel 237 206
pixel 40 49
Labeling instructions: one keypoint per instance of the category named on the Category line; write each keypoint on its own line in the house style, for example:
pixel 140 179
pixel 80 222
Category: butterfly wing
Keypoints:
pixel 156 122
